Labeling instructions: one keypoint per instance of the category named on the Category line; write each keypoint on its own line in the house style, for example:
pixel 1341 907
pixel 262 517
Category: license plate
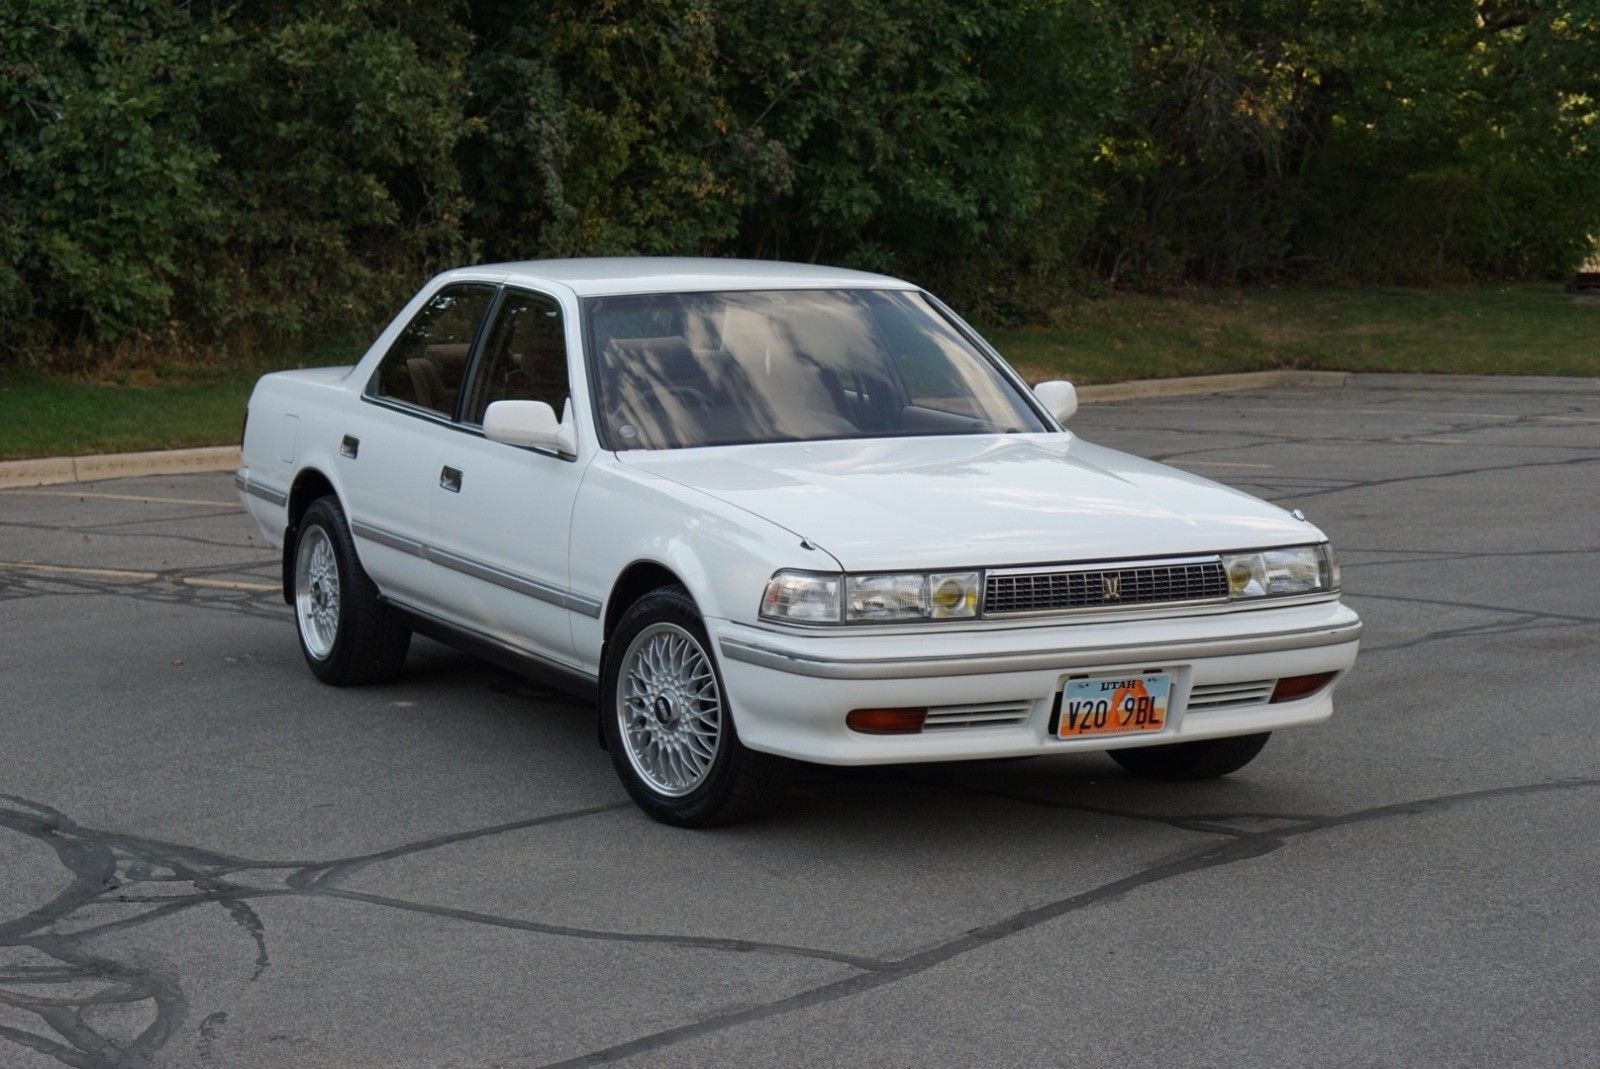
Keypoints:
pixel 1114 705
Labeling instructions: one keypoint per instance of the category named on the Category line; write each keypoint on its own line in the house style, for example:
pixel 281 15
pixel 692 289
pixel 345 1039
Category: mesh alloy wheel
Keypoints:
pixel 316 593
pixel 669 709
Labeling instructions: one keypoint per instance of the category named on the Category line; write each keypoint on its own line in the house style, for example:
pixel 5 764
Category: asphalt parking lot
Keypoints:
pixel 207 858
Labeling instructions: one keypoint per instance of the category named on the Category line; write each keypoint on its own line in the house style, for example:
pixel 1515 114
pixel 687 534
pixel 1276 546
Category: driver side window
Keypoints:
pixel 525 357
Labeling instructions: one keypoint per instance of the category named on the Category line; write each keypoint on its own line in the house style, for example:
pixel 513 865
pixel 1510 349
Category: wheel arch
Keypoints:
pixel 309 485
pixel 633 583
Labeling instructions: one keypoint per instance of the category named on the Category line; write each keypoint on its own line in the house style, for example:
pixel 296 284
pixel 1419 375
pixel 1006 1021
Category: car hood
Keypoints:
pixel 979 500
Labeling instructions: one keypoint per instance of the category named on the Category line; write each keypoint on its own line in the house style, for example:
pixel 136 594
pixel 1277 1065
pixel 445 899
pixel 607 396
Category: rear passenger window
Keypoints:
pixel 525 357
pixel 428 363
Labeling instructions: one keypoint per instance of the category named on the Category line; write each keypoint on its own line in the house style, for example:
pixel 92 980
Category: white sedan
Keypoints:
pixel 765 513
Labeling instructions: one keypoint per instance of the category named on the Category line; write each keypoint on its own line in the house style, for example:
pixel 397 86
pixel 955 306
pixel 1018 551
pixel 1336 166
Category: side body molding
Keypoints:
pixel 245 484
pixel 522 584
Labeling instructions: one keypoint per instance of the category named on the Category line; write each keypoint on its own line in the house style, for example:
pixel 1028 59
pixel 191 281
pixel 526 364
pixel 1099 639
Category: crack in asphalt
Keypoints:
pixel 165 587
pixel 1471 631
pixel 1420 439
pixel 1394 480
pixel 1522 620
pixel 107 868
pixel 1443 424
pixel 1238 846
pixel 108 530
pixel 117 882
pixel 104 864
pixel 1507 610
pixel 1449 556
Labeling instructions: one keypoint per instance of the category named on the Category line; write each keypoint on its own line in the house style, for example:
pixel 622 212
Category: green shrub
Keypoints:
pixel 228 176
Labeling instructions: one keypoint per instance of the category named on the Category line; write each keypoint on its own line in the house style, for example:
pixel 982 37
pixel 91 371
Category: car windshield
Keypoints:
pixel 676 370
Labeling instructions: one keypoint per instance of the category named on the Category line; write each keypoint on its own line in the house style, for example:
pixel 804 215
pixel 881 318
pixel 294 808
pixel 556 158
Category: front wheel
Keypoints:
pixel 664 715
pixel 347 634
pixel 1205 759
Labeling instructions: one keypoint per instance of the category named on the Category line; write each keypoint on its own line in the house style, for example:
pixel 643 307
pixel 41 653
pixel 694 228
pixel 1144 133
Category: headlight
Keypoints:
pixel 807 597
pixel 803 597
pixel 910 596
pixel 1280 572
pixel 885 597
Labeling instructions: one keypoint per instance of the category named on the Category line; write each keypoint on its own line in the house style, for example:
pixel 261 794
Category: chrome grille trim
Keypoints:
pixel 1069 588
pixel 985 715
pixel 1231 695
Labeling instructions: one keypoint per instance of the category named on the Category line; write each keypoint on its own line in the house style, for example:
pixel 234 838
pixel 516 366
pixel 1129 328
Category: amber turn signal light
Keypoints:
pixel 886 721
pixel 1291 687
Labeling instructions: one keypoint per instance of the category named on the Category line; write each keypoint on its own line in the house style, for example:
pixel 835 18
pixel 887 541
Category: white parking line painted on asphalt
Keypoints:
pixel 129 497
pixel 1184 462
pixel 1433 413
pixel 228 584
pixel 72 569
pixel 137 576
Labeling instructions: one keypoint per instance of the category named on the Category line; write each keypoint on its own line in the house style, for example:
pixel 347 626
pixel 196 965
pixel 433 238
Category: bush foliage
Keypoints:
pixel 183 172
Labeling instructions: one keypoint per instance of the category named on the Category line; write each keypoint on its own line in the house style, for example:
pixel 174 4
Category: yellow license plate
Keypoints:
pixel 1114 705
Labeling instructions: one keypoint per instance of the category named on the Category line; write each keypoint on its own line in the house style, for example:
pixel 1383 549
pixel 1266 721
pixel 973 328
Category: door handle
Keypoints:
pixel 450 479
pixel 349 446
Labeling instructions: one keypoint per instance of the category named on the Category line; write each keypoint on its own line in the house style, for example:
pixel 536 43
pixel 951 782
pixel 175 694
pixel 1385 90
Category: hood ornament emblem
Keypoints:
pixel 1111 586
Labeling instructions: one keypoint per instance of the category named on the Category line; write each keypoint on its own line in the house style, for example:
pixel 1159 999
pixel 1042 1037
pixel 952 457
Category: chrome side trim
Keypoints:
pixel 1032 660
pixel 388 538
pixel 428 414
pixel 490 640
pixel 533 588
pixel 246 485
pixel 444 419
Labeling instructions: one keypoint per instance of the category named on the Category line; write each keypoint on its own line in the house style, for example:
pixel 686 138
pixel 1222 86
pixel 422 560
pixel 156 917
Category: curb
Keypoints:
pixel 1496 384
pixel 52 470
pixel 49 471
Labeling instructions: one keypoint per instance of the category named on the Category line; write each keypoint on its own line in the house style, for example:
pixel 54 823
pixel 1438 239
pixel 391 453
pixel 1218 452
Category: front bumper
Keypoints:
pixel 790 691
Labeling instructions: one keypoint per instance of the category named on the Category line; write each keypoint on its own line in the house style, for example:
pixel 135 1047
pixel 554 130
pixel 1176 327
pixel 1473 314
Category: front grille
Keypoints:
pixel 1110 586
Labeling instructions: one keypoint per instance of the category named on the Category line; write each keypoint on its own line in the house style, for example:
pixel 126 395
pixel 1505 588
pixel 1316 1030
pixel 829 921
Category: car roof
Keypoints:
pixel 612 275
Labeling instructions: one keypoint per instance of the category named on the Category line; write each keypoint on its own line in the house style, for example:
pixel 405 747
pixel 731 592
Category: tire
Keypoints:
pixel 1206 759
pixel 358 639
pixel 661 695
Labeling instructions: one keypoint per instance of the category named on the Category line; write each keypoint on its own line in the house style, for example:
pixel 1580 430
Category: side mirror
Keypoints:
pixel 531 424
pixel 1059 397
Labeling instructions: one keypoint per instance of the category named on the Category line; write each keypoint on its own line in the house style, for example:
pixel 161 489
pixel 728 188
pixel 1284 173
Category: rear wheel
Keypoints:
pixel 1205 759
pixel 665 718
pixel 347 635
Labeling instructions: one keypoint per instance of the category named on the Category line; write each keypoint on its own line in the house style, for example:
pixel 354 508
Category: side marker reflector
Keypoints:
pixel 1291 687
pixel 886 721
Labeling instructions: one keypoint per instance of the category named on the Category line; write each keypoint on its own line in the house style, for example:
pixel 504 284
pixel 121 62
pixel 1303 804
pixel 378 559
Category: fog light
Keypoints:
pixel 1291 687
pixel 886 721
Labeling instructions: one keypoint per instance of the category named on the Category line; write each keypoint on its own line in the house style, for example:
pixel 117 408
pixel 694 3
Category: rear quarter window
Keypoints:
pixel 427 364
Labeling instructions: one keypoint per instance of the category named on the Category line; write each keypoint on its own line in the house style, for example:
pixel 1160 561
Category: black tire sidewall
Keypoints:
pixel 668 605
pixel 1191 761
pixel 326 514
